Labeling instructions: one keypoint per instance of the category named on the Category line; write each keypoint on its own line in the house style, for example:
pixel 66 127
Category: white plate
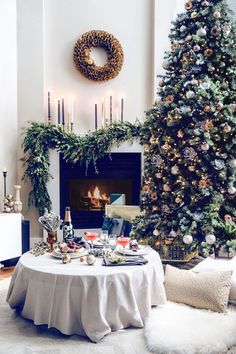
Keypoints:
pixel 82 252
pixel 141 252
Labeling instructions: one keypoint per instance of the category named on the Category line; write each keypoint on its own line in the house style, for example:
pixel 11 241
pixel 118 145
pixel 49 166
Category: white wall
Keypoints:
pixel 47 32
pixel 8 94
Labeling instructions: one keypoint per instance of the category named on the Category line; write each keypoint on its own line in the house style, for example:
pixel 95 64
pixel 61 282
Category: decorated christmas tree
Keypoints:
pixel 188 193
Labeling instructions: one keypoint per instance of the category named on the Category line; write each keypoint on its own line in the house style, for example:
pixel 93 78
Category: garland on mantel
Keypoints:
pixel 40 138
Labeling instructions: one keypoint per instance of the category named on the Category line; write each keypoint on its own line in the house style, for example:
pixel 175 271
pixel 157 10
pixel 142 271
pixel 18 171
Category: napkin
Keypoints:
pixel 128 262
pixel 81 241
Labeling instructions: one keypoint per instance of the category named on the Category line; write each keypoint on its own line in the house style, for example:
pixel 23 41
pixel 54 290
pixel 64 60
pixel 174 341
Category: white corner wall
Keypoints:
pixel 8 94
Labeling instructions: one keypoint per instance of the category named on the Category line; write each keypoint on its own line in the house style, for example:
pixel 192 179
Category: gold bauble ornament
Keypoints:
pixel 194 14
pixel 191 168
pixel 166 187
pixel 227 128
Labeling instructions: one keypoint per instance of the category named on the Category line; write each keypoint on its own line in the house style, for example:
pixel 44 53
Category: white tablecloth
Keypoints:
pixel 87 300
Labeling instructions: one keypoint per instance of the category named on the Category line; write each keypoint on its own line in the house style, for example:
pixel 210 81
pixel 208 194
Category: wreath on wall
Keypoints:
pixel 86 64
pixel 40 138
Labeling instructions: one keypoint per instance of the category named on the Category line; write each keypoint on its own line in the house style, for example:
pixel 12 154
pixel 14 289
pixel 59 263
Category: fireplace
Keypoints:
pixel 87 194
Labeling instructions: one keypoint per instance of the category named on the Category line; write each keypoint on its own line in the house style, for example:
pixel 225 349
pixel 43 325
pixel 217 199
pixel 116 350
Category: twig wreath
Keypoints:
pixel 40 138
pixel 86 64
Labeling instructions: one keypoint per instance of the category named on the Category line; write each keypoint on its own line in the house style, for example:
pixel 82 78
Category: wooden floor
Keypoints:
pixel 6 272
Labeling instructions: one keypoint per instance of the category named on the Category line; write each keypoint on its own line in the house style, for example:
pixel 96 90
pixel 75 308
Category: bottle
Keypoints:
pixel 67 227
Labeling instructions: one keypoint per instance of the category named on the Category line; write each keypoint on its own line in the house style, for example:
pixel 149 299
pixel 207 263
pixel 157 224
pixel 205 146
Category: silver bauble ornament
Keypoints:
pixel 201 32
pixel 205 147
pixel 217 14
pixel 231 190
pixel 227 128
pixel 232 163
pixel 210 239
pixel 91 259
pixel 196 48
pixel 190 94
pixel 174 170
pixel 166 64
pixel 188 239
pixel 183 28
pixel 205 3
pixel 172 234
pixel 156 232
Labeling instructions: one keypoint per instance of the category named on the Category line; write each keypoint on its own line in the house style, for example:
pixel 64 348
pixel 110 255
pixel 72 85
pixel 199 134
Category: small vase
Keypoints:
pixel 17 202
pixel 52 238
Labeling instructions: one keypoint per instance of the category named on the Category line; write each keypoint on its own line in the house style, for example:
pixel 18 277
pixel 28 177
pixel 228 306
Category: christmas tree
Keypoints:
pixel 188 193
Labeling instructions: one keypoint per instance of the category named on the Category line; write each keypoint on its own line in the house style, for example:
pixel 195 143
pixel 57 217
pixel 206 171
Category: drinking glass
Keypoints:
pixel 123 241
pixel 91 236
pixel 104 237
pixel 112 241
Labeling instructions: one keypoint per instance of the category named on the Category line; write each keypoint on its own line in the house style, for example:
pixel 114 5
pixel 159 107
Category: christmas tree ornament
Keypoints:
pixel 170 98
pixel 227 128
pixel 194 82
pixel 91 259
pixel 231 190
pixel 174 45
pixel 183 28
pixel 188 5
pixel 165 147
pixel 190 94
pixel 191 168
pixel 210 239
pixel 165 209
pixel 215 31
pixel 201 32
pixel 216 14
pixel 232 163
pixel 189 153
pixel 178 200
pixel 207 108
pixel 158 175
pixel 161 83
pixel 228 218
pixel 188 239
pixel 208 52
pixel 66 258
pixel 156 232
pixel 224 85
pixel 205 3
pixel 166 187
pixel 166 64
pixel 205 85
pixel 219 106
pixel 173 234
pixel 194 14
pixel 174 170
pixel 205 147
pixel 154 196
pixel 180 134
pixel 196 48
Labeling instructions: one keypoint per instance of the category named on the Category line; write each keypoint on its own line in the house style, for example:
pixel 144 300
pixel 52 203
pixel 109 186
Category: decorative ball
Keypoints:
pixel 205 3
pixel 219 106
pixel 228 218
pixel 156 232
pixel 158 175
pixel 208 52
pixel 232 163
pixel 173 234
pixel 174 170
pixel 205 146
pixel 201 32
pixel 194 14
pixel 207 108
pixel 210 239
pixel 91 259
pixel 196 48
pixel 215 31
pixel 166 187
pixel 231 190
pixel 66 259
pixel 188 38
pixel 161 83
pixel 180 134
pixel 166 64
pixel 188 239
pixel 178 200
pixel 190 94
pixel 194 82
pixel 224 85
pixel 183 28
pixel 217 14
pixel 188 5
pixel 227 128
pixel 191 168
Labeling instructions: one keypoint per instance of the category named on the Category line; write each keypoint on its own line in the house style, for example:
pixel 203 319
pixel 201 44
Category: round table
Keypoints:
pixel 87 300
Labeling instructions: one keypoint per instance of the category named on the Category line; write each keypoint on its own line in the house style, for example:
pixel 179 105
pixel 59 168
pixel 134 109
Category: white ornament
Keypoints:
pixel 66 259
pixel 201 32
pixel 232 190
pixel 166 64
pixel 183 28
pixel 190 94
pixel 156 232
pixel 205 146
pixel 91 259
pixel 173 234
pixel 188 239
pixel 210 239
pixel 216 14
pixel 196 48
pixel 174 170
pixel 232 163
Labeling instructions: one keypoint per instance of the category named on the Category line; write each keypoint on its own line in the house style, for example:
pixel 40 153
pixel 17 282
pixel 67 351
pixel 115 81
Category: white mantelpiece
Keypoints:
pixel 10 236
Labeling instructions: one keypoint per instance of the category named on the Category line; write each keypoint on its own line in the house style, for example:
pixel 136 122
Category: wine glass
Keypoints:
pixel 104 237
pixel 91 236
pixel 123 241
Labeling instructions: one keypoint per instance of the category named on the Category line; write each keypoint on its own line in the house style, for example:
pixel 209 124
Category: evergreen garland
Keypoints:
pixel 40 138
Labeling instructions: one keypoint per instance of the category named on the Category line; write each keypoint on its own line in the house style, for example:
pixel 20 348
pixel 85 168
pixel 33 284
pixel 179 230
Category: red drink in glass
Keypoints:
pixel 123 241
pixel 91 236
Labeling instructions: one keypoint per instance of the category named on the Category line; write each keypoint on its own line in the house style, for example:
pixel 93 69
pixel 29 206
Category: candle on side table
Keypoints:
pixel 49 108
pixel 5 181
pixel 110 109
pixel 122 110
pixel 96 115
pixel 63 113
pixel 58 111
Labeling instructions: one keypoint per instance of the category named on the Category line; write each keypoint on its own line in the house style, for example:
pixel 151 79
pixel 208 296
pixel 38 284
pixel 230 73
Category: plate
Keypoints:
pixel 142 250
pixel 82 252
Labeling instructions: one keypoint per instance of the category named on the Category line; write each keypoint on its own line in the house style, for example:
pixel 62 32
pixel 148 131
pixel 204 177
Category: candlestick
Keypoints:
pixel 106 113
pixel 63 113
pixel 122 110
pixel 102 113
pixel 59 111
pixel 96 116
pixel 72 109
pixel 4 181
pixel 110 109
pixel 49 108
pixel 117 114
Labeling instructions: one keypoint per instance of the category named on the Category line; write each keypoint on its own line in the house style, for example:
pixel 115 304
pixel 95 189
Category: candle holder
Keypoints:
pixel 5 182
pixel 51 239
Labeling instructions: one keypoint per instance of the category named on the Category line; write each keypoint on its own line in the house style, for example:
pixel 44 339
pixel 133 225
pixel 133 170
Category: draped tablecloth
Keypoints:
pixel 87 300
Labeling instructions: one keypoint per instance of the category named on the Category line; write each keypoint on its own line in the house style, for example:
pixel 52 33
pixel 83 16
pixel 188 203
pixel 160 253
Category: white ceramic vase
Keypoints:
pixel 17 202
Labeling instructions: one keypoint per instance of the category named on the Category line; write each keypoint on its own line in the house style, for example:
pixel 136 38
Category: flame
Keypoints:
pixel 89 194
pixel 97 194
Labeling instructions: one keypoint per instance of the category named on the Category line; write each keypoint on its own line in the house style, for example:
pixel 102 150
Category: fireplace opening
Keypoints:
pixel 88 193
pixel 94 194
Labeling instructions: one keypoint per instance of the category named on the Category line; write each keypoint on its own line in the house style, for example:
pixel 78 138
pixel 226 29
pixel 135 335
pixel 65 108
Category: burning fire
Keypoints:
pixel 96 195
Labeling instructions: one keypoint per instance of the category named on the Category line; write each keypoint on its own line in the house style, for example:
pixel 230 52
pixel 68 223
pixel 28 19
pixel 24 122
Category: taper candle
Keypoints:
pixel 110 109
pixel 58 111
pixel 5 181
pixel 63 113
pixel 122 110
pixel 103 113
pixel 49 108
pixel 96 115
